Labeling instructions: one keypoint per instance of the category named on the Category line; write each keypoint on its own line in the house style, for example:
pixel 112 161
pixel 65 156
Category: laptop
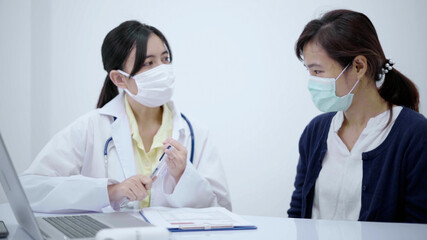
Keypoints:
pixel 70 226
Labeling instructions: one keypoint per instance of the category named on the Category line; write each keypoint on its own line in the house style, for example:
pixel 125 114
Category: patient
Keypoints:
pixel 366 158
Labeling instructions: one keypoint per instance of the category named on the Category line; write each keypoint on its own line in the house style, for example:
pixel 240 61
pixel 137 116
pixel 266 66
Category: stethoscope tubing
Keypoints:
pixel 111 138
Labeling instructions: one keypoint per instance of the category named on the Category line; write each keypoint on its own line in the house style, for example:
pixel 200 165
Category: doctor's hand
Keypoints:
pixel 134 188
pixel 176 158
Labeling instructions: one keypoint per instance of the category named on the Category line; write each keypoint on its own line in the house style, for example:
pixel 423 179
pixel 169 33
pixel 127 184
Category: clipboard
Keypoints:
pixel 195 219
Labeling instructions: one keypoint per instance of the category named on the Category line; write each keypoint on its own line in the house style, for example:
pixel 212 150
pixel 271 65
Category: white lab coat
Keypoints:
pixel 69 173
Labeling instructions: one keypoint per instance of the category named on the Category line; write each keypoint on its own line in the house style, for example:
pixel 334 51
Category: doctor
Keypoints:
pixel 105 157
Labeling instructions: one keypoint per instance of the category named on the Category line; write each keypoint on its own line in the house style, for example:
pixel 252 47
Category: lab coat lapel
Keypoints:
pixel 179 131
pixel 120 131
pixel 123 142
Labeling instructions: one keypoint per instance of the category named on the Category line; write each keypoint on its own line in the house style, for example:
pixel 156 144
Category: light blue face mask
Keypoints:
pixel 323 94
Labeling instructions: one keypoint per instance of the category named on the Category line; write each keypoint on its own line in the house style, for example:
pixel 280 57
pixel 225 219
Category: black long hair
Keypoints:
pixel 117 46
pixel 345 34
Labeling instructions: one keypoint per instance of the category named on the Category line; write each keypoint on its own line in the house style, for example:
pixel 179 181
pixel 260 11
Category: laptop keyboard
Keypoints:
pixel 81 226
pixel 44 234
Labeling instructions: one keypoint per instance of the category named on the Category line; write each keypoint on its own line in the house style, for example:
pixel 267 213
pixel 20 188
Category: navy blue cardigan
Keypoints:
pixel 394 184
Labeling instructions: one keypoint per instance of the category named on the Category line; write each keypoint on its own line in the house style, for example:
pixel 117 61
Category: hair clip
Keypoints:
pixel 388 66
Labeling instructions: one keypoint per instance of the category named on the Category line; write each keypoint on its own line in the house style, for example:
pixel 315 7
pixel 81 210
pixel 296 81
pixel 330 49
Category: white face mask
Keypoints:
pixel 155 86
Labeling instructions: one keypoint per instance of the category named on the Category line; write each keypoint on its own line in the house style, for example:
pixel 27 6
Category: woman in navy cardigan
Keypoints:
pixel 365 158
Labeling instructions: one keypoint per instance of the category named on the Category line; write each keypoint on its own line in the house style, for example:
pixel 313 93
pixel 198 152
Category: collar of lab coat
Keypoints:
pixel 120 131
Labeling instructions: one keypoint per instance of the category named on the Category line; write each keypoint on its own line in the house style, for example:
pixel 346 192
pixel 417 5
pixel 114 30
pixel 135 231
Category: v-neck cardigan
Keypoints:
pixel 394 184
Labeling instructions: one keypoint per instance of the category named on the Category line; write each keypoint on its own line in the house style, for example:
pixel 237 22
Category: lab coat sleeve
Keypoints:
pixel 203 183
pixel 53 182
pixel 65 194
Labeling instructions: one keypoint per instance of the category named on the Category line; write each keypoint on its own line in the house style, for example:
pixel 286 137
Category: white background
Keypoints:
pixel 235 66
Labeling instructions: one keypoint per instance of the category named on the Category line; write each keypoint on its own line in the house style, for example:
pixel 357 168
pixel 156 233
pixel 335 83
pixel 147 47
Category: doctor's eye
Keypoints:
pixel 148 63
pixel 317 72
pixel 166 59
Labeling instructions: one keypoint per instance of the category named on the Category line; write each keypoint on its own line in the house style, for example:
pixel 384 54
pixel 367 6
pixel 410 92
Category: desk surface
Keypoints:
pixel 281 228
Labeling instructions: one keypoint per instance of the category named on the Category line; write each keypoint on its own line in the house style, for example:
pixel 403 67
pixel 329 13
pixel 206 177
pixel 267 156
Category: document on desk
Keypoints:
pixel 195 219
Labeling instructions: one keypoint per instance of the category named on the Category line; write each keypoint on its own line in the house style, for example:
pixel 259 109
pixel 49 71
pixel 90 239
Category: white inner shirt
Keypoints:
pixel 338 189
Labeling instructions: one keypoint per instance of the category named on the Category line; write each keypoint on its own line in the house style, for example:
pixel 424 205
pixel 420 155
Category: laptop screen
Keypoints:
pixel 15 194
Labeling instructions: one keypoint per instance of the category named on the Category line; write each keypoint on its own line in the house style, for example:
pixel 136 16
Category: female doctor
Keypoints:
pixel 105 157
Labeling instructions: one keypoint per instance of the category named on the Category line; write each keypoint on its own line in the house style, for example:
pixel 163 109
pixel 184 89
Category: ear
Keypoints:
pixel 119 79
pixel 360 66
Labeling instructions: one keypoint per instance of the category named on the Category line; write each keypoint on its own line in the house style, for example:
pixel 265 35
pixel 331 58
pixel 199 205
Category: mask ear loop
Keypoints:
pixel 336 79
pixel 342 73
pixel 354 86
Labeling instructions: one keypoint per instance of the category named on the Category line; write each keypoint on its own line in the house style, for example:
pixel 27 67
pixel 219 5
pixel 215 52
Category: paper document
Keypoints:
pixel 195 219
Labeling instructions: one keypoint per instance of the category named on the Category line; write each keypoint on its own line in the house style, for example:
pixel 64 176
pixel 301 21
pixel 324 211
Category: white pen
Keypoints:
pixel 160 164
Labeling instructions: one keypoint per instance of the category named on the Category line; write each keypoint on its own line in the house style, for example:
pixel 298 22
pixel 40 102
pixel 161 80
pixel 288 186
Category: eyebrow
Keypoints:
pixel 313 65
pixel 165 52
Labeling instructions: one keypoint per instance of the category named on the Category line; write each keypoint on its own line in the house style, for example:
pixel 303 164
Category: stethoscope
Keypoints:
pixel 111 138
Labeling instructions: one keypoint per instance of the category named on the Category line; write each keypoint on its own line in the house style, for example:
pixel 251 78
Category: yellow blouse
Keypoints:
pixel 144 161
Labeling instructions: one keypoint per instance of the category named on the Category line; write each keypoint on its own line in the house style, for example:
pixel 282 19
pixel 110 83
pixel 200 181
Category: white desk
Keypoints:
pixel 270 228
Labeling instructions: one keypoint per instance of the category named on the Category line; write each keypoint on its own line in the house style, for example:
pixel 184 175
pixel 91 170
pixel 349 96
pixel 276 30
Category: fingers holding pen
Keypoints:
pixel 176 157
pixel 133 188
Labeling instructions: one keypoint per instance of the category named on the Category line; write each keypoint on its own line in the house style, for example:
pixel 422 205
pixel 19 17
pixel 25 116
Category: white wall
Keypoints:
pixel 236 72
pixel 15 81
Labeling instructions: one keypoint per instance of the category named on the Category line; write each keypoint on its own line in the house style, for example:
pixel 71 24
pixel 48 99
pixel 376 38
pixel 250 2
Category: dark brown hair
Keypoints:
pixel 117 46
pixel 345 34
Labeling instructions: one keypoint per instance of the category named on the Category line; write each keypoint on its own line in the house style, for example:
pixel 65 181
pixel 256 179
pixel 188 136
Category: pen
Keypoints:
pixel 160 164
pixel 141 212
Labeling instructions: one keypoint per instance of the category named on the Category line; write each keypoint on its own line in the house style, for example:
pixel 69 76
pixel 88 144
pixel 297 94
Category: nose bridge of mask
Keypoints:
pixel 162 75
pixel 156 70
pixel 322 81
pixel 151 78
pixel 149 73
